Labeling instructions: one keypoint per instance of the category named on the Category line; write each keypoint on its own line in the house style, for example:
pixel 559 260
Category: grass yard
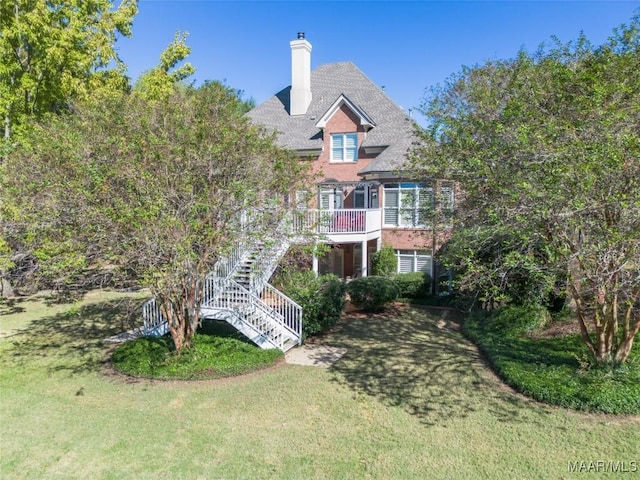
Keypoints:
pixel 411 399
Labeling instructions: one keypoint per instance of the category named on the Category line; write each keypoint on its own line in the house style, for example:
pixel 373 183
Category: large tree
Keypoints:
pixel 546 148
pixel 157 187
pixel 54 51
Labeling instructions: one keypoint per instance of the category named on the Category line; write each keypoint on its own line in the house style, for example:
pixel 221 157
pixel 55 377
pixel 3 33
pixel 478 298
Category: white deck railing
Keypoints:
pixel 348 220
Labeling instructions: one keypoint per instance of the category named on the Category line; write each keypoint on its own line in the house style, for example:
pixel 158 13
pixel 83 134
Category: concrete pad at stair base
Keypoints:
pixel 314 355
pixel 126 336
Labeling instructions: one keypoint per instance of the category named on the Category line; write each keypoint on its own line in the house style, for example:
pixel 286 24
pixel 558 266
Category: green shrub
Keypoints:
pixel 516 320
pixel 322 299
pixel 553 370
pixel 218 351
pixel 413 285
pixel 372 294
pixel 384 262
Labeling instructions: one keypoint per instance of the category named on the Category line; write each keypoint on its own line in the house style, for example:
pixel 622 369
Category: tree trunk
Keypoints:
pixel 6 290
pixel 581 314
pixel 629 336
pixel 181 308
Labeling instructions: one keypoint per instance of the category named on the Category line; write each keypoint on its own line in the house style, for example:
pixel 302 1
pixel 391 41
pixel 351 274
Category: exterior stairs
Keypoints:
pixel 237 291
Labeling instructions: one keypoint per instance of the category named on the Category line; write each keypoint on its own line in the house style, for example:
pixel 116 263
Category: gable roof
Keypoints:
pixel 365 121
pixel 392 133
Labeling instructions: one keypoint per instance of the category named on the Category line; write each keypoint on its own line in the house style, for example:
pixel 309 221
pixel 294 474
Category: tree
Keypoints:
pixel 52 52
pixel 159 82
pixel 156 187
pixel 546 147
pixel 55 51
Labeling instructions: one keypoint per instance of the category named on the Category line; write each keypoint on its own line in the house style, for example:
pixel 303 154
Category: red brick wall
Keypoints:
pixel 410 239
pixel 343 121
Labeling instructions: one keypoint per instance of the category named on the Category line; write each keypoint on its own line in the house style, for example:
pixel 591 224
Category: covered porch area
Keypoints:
pixel 347 260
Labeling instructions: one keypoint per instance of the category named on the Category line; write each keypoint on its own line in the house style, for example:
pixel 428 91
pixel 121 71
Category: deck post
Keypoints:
pixel 315 261
pixel 364 259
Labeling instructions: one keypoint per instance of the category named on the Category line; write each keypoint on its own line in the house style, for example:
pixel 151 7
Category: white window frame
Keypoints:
pixel 334 199
pixel 345 149
pixel 447 202
pixel 403 210
pixel 415 256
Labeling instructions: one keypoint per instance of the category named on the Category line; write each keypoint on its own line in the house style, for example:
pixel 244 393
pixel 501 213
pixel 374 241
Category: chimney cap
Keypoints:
pixel 300 35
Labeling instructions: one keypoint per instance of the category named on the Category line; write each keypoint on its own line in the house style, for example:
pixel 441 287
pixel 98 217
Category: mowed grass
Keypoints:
pixel 410 399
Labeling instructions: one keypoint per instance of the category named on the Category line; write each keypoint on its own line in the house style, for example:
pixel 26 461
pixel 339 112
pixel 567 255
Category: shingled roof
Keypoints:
pixel 393 129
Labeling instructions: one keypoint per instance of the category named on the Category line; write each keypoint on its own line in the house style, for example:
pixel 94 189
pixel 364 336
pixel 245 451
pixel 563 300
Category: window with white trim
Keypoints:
pixel 359 197
pixel 407 204
pixel 447 201
pixel 344 147
pixel 414 261
pixel 331 199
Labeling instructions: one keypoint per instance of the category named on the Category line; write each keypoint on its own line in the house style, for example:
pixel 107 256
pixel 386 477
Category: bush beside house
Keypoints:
pixel 413 285
pixel 384 262
pixel 322 299
pixel 372 294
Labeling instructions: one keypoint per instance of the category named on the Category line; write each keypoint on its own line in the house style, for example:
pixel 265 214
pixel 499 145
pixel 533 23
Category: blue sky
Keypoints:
pixel 403 46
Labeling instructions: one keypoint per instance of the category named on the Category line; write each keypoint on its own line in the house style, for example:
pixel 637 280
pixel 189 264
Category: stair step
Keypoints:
pixel 247 316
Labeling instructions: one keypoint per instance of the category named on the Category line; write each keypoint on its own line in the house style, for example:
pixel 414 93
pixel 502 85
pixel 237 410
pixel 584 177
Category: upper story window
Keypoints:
pixel 344 147
pixel 447 202
pixel 331 199
pixel 407 204
pixel 359 197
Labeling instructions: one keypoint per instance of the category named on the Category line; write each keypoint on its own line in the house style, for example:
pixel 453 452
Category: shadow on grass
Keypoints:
pixel 10 306
pixel 73 341
pixel 416 359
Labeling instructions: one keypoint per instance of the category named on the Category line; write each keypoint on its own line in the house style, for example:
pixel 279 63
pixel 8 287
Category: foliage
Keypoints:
pixel 547 370
pixel 372 294
pixel 57 51
pixel 513 320
pixel 217 351
pixel 546 146
pixel 159 82
pixel 498 268
pixel 53 52
pixel 298 258
pixel 152 187
pixel 413 285
pixel 384 262
pixel 322 299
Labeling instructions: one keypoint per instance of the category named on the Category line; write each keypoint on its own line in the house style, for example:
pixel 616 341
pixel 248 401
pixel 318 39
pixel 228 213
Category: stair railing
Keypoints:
pixel 236 298
pixel 278 307
pixel 287 308
pixel 154 323
pixel 266 263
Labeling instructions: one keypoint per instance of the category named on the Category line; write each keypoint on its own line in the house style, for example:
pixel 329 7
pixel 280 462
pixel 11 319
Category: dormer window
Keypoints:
pixel 344 147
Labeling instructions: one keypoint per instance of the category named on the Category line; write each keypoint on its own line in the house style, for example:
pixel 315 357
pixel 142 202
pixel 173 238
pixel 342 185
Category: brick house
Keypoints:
pixel 357 140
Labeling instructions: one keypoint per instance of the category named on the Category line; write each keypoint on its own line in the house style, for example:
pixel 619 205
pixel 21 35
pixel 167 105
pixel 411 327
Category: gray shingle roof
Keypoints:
pixel 393 128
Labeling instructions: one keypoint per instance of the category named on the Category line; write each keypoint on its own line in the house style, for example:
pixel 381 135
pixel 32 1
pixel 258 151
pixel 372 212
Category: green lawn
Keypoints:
pixel 411 399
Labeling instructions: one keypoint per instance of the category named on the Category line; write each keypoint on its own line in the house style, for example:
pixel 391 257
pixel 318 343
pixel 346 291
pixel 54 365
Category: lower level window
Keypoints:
pixel 414 261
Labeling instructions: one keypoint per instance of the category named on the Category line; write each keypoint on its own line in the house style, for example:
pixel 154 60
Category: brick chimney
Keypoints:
pixel 300 75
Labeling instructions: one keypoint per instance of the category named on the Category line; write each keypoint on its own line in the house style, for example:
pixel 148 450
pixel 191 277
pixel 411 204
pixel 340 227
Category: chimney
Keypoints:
pixel 300 75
